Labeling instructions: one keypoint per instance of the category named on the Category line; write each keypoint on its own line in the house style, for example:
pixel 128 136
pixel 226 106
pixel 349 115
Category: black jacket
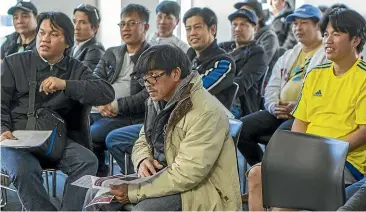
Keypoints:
pixel 109 68
pixel 10 46
pixel 216 67
pixel 81 87
pixel 251 63
pixel 284 30
pixel 90 53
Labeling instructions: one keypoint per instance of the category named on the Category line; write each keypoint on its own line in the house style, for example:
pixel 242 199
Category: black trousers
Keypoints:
pixel 255 125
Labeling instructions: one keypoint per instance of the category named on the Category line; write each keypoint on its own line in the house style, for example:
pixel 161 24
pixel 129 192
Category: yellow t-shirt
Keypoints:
pixel 334 106
pixel 292 88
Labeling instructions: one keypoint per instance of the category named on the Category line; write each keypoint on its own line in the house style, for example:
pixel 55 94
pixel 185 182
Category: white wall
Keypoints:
pixel 65 6
pixel 222 9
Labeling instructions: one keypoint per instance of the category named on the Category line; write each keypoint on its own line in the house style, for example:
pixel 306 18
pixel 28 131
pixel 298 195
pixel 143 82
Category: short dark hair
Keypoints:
pixel 143 13
pixel 169 7
pixel 92 13
pixel 59 21
pixel 209 16
pixel 346 21
pixel 163 57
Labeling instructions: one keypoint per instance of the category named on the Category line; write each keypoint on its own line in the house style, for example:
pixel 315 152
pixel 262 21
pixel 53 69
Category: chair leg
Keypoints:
pixel 127 161
pixel 47 182
pixel 4 198
pixel 54 183
pixel 245 177
pixel 111 171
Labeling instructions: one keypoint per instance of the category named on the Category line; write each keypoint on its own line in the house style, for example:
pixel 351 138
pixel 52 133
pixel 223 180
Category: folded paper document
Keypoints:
pixel 27 138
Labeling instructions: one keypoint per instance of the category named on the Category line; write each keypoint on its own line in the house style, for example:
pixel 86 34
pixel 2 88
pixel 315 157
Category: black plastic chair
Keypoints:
pixel 230 95
pixel 303 171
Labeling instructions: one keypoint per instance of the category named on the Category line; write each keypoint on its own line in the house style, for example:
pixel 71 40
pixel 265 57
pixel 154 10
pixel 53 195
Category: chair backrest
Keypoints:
pixel 235 128
pixel 228 95
pixel 303 171
pixel 263 80
pixel 78 120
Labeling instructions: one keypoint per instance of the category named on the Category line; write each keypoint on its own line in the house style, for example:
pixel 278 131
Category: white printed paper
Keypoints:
pixel 27 138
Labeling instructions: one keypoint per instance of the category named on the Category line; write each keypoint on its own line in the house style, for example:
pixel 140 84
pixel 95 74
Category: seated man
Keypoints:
pixel 167 19
pixel 341 80
pixel 117 66
pixel 25 24
pixel 62 82
pixel 186 131
pixel 208 59
pixel 265 36
pixel 284 86
pixel 250 61
pixel 216 68
pixel 86 23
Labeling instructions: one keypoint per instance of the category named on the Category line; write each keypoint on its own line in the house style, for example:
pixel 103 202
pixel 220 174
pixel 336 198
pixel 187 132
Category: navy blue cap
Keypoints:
pixel 245 13
pixel 305 11
pixel 27 6
pixel 254 4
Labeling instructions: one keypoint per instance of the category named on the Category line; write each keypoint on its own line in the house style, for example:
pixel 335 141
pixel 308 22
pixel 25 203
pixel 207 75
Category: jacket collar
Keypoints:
pixel 145 45
pixel 41 64
pixel 87 44
pixel 261 31
pixel 206 54
pixel 242 51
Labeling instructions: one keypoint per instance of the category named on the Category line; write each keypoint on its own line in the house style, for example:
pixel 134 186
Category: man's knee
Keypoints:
pixel 255 176
pixel 89 162
pixel 111 139
pixel 18 167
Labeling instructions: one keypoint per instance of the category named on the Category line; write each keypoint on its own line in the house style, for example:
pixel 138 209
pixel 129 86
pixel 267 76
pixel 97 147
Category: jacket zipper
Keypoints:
pixel 166 126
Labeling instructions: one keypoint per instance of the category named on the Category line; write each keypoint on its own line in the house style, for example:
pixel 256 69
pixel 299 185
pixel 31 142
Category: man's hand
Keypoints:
pixel 52 84
pixel 7 135
pixel 120 192
pixel 148 167
pixel 107 111
pixel 283 110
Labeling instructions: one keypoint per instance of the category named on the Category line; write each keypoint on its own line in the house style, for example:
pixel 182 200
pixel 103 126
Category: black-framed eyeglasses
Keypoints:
pixel 150 79
pixel 89 8
pixel 129 23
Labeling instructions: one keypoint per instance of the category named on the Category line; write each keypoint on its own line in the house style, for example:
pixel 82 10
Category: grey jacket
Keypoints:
pixel 357 201
pixel 109 68
pixel 90 53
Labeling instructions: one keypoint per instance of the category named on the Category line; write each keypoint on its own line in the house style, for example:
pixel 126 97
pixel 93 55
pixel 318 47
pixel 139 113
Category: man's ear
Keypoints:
pixel 177 72
pixel 95 28
pixel 146 27
pixel 356 41
pixel 213 29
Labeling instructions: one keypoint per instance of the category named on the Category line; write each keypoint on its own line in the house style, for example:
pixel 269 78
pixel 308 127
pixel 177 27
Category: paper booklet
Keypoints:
pixel 27 138
pixel 103 184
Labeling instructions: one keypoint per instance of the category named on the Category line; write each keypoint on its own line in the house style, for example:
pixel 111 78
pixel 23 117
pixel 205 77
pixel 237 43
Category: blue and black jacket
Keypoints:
pixel 216 67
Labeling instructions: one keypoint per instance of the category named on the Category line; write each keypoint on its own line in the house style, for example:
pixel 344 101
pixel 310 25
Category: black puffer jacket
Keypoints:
pixel 109 68
pixel 10 46
pixel 251 62
pixel 90 53
pixel 81 87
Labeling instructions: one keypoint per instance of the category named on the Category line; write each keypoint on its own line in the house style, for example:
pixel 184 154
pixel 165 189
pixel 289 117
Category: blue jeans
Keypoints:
pixel 352 189
pixel 121 141
pixel 25 172
pixel 100 128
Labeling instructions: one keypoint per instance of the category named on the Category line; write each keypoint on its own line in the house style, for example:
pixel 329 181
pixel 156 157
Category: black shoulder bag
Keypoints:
pixel 45 119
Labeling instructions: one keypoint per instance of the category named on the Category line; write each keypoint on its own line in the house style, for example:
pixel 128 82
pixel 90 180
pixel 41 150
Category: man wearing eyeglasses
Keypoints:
pixel 25 24
pixel 167 19
pixel 186 130
pixel 86 23
pixel 117 66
